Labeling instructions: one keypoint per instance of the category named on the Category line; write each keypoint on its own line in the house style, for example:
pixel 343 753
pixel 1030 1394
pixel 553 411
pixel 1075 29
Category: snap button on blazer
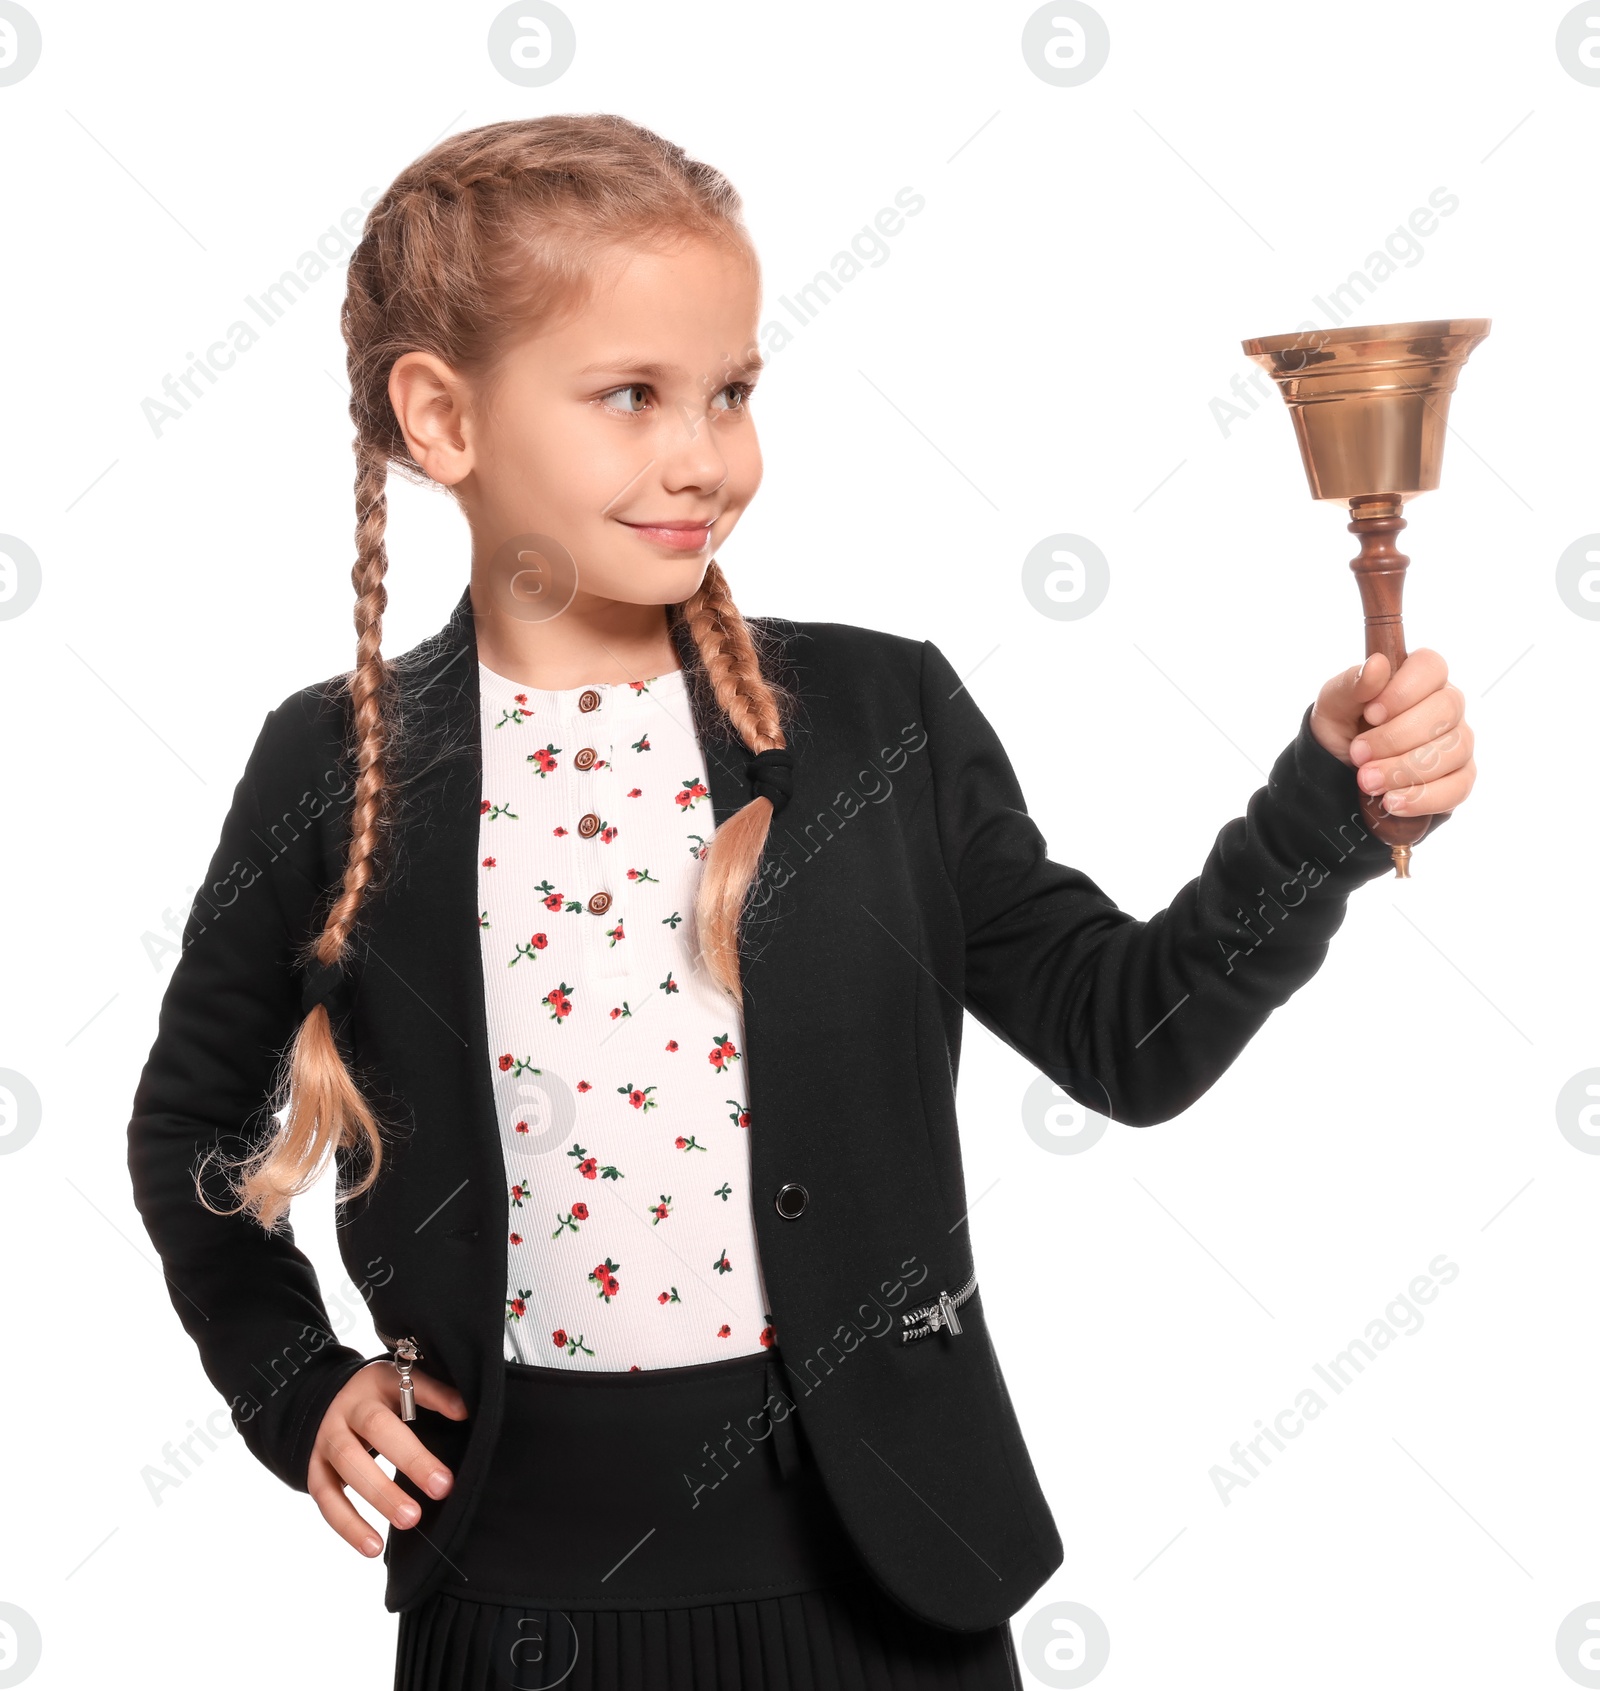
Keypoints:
pixel 904 884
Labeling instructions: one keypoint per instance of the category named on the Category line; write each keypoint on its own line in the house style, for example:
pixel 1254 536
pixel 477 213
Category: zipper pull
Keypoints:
pixel 405 1354
pixel 948 1310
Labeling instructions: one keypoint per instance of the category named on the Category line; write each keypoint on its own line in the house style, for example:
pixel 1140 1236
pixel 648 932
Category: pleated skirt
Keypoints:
pixel 667 1530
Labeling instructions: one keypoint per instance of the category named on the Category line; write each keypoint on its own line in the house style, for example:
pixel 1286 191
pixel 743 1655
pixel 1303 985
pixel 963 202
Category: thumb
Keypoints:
pixel 1357 688
pixel 436 1395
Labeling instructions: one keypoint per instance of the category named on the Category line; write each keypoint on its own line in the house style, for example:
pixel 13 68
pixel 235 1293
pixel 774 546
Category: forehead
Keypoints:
pixel 678 311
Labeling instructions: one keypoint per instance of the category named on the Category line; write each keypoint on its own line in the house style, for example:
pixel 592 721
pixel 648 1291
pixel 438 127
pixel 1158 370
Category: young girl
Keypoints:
pixel 616 949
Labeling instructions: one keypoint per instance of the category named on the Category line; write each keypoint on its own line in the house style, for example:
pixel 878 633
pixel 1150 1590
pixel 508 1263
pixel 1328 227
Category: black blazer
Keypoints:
pixel 904 883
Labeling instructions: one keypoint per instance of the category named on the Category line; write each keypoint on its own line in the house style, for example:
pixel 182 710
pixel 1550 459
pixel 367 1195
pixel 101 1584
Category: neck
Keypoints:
pixel 589 642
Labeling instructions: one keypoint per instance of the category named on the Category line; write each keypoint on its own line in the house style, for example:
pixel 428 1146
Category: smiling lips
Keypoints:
pixel 678 536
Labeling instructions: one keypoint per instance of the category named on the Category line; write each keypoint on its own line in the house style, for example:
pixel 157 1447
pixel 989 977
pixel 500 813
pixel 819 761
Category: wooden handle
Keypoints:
pixel 1380 570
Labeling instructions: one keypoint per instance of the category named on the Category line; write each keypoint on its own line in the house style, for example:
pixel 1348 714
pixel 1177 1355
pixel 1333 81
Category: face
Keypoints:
pixel 623 431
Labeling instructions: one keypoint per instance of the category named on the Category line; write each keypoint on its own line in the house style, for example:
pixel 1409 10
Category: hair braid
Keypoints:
pixel 752 703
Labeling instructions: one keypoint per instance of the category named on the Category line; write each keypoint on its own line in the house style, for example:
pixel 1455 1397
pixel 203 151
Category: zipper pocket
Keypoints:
pixel 405 1355
pixel 939 1314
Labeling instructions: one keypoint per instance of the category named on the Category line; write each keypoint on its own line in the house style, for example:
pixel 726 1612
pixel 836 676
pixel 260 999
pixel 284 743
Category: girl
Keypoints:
pixel 641 1100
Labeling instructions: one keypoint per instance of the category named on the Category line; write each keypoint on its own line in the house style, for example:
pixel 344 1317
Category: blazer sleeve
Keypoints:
pixel 249 1300
pixel 1137 1019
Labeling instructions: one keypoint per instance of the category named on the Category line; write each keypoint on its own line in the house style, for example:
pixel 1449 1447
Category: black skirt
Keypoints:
pixel 667 1530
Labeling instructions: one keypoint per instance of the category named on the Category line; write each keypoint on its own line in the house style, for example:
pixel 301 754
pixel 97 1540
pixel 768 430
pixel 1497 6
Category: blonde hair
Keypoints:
pixel 483 237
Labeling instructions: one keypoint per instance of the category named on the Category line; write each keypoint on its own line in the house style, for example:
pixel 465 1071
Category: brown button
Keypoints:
pixel 588 699
pixel 600 903
pixel 585 758
pixel 589 825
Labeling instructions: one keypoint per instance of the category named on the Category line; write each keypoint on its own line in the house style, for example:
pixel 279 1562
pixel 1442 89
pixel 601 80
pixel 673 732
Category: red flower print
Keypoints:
pixel 563 1341
pixel 483 809
pixel 722 1265
pixel 724 1330
pixel 660 1212
pixel 560 1004
pixel 559 1336
pixel 768 1336
pixel 661 1297
pixel 516 1308
pixel 633 1367
pixel 740 1116
pixel 590 1168
pixel 604 1275
pixel 639 1096
pixel 559 832
pixel 636 791
pixel 506 1062
pixel 553 902
pixel 689 1144
pixel 515 1239
pixel 514 717
pixel 608 834
pixel 722 1052
pixel 669 1296
pixel 672 1045
pixel 545 759
pixel 584 1086
pixel 522 1127
pixel 488 863
pixel 522 699
pixel 693 792
pixel 581 1211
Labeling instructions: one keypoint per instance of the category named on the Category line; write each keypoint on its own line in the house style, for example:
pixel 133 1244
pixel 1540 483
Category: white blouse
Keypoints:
pixel 618 1065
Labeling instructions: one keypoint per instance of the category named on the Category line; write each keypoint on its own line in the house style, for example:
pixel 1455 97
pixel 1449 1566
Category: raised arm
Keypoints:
pixel 1137 1019
pixel 250 1301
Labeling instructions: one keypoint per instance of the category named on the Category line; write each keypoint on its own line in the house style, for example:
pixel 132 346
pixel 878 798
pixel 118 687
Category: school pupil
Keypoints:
pixel 643 1132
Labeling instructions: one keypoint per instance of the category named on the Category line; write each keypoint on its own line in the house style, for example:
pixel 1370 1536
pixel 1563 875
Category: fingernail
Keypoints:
pixel 407 1514
pixel 438 1483
pixel 1360 751
pixel 372 1546
pixel 1374 713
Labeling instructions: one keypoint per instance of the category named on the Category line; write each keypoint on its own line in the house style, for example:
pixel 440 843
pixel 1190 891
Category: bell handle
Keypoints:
pixel 1380 571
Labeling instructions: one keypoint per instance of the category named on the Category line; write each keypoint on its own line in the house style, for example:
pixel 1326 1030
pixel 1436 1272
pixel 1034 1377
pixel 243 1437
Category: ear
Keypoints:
pixel 430 404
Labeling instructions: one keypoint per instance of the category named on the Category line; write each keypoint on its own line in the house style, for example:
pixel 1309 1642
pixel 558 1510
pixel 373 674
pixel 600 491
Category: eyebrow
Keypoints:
pixel 751 366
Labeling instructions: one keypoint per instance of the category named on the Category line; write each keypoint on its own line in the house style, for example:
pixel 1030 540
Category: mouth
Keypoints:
pixel 676 536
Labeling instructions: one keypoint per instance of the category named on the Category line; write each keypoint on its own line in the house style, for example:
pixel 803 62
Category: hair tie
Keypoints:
pixel 771 775
pixel 322 981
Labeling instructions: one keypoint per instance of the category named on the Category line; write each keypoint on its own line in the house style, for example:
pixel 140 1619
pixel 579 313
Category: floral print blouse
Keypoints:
pixel 618 1065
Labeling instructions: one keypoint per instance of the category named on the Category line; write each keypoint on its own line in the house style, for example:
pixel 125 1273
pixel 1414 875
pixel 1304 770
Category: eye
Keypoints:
pixel 741 392
pixel 632 388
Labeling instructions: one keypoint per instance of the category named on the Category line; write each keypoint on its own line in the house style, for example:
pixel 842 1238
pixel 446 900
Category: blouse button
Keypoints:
pixel 600 903
pixel 588 699
pixel 791 1200
pixel 589 826
pixel 585 758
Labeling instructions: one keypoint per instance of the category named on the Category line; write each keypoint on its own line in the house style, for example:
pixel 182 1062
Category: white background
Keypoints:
pixel 1038 352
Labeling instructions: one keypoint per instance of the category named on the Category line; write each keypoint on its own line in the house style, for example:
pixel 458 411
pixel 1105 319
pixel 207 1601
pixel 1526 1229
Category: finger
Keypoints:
pixel 1438 714
pixel 1432 796
pixel 338 1511
pixel 381 1428
pixel 345 1449
pixel 435 1394
pixel 1428 762
pixel 1422 673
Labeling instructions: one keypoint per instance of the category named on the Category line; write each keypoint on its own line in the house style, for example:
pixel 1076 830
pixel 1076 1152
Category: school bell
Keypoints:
pixel 1370 406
